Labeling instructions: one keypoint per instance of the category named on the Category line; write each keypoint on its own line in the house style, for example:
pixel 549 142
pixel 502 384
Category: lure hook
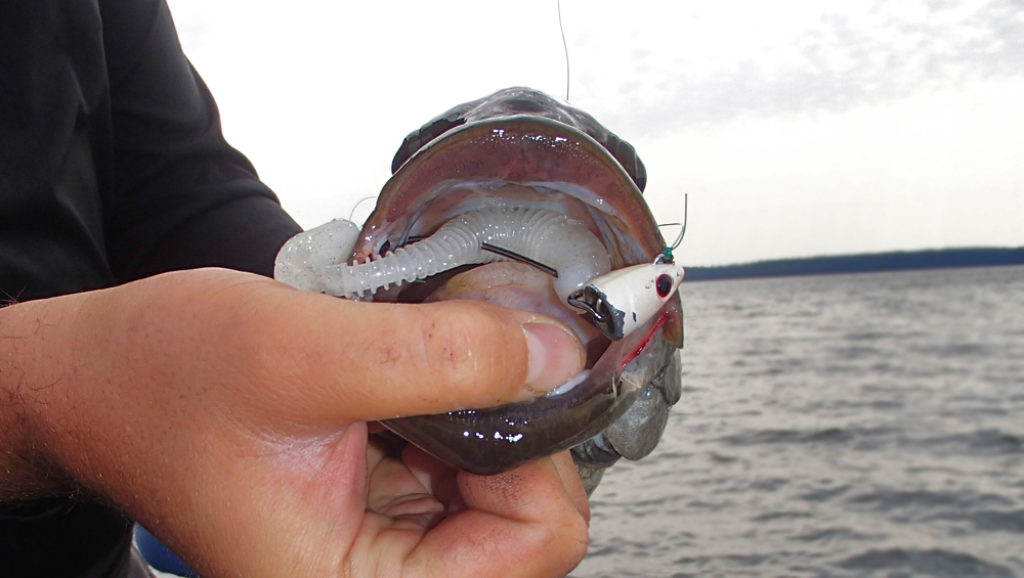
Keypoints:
pixel 666 253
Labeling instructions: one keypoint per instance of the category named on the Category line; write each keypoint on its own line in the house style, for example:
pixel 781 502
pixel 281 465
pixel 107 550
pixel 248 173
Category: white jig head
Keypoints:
pixel 622 300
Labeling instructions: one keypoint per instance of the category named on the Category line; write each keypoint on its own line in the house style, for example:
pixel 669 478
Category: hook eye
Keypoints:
pixel 593 305
pixel 591 311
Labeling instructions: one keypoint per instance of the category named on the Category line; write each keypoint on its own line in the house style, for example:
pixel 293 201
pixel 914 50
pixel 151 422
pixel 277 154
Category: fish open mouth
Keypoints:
pixel 544 242
pixel 517 210
pixel 525 165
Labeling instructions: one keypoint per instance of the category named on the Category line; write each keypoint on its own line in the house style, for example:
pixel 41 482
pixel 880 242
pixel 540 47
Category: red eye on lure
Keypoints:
pixel 621 301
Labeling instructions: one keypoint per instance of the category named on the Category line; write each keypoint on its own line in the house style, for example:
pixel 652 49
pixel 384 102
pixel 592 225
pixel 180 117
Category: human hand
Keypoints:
pixel 228 414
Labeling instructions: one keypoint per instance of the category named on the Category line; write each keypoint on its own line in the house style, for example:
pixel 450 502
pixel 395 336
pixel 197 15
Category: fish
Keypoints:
pixel 559 199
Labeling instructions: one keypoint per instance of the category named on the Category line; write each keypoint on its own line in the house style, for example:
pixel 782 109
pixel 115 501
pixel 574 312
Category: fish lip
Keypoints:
pixel 559 162
pixel 521 101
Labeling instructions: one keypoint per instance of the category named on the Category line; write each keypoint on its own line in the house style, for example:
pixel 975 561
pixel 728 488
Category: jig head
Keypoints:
pixel 622 300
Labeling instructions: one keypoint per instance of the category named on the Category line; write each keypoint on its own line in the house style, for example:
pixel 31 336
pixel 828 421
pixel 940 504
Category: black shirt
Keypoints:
pixel 112 168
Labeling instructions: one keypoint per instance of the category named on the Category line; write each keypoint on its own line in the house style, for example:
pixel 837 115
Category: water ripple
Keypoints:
pixel 914 562
pixel 838 426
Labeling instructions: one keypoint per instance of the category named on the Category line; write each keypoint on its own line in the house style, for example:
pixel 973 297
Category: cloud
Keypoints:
pixel 885 125
pixel 835 61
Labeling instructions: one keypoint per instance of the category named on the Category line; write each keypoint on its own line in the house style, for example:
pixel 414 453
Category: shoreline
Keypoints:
pixel 862 263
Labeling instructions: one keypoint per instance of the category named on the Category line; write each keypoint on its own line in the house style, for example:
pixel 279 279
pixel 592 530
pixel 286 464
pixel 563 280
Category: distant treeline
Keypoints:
pixel 864 263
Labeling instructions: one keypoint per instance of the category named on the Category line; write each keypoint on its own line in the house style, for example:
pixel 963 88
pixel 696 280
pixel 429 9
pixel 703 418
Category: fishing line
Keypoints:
pixel 565 46
pixel 352 213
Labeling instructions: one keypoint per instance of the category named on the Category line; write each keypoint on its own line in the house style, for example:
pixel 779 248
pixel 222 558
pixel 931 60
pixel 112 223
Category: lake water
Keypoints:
pixel 850 425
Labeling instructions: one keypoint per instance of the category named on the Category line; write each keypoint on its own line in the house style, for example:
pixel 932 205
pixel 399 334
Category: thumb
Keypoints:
pixel 362 361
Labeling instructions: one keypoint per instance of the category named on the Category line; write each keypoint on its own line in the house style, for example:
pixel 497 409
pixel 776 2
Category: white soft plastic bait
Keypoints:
pixel 317 259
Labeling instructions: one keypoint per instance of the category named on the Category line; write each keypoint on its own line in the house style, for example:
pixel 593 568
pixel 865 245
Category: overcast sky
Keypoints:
pixel 797 127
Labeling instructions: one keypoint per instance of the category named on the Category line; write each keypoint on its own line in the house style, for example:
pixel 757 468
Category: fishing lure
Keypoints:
pixel 621 301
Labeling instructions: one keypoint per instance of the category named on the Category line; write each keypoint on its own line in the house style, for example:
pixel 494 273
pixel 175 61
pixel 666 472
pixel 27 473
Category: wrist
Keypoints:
pixel 33 339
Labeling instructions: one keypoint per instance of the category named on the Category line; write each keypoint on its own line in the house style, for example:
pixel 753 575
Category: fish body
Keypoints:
pixel 489 166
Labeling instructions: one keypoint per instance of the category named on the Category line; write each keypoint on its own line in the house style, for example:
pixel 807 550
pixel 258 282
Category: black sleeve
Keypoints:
pixel 179 196
pixel 112 167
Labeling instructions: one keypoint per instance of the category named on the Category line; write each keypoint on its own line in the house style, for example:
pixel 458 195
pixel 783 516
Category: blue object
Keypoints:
pixel 159 556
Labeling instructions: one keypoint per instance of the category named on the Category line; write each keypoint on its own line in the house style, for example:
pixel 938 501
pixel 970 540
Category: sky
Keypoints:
pixel 796 127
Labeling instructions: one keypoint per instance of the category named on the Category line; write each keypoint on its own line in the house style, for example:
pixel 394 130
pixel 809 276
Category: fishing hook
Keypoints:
pixel 666 253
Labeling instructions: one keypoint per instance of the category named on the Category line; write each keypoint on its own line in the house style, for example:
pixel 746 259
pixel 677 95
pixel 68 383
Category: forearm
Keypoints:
pixel 34 351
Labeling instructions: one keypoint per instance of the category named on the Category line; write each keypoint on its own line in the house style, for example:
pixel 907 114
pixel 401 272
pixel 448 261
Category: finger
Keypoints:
pixel 396 492
pixel 570 477
pixel 366 361
pixel 439 478
pixel 519 523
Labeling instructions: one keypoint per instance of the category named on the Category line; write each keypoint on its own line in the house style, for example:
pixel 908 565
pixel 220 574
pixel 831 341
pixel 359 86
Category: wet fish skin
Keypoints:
pixel 626 416
pixel 636 432
pixel 488 441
